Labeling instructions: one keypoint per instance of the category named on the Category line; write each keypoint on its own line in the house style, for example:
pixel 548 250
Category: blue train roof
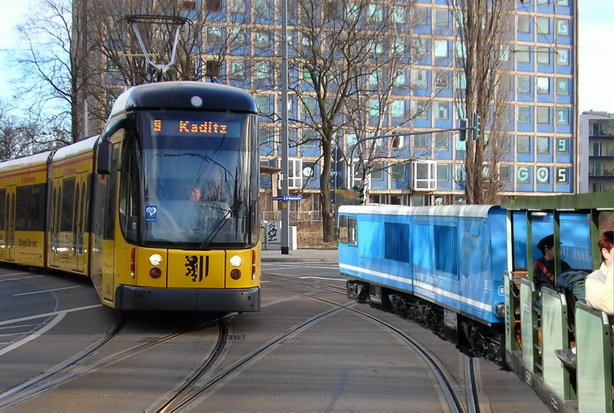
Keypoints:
pixel 479 211
pixel 184 95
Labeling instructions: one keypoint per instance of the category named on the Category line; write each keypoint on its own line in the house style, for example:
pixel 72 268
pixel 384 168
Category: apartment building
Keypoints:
pixel 596 160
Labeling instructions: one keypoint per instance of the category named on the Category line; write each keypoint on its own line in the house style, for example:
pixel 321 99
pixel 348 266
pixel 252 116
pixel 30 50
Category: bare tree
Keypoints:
pixel 337 47
pixel 203 46
pixel 382 142
pixel 51 75
pixel 484 27
pixel 20 137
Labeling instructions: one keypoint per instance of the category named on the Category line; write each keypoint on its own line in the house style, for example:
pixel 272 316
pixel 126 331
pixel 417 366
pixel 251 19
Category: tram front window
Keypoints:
pixel 196 170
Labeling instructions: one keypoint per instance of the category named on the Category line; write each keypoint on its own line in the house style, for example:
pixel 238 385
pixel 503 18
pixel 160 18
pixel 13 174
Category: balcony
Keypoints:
pixel 605 174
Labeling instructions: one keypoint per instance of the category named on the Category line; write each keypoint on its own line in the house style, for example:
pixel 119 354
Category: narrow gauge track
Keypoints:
pixel 84 363
pixel 445 379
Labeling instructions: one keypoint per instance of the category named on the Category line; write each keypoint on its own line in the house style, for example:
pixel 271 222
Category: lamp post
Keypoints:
pixel 285 214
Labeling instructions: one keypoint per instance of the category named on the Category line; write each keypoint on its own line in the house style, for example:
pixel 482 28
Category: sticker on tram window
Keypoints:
pixel 192 128
pixel 151 212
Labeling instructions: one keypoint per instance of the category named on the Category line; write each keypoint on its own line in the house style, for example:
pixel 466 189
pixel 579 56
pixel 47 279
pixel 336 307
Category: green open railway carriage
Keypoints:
pixel 535 327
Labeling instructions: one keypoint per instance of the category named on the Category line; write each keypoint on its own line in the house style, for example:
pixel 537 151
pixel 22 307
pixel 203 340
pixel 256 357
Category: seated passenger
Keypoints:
pixel 599 285
pixel 599 289
pixel 543 270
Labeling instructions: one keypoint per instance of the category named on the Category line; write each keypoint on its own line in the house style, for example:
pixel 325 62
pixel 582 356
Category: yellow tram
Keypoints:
pixel 120 207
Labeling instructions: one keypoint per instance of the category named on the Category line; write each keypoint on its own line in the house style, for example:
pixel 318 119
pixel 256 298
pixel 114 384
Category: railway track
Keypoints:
pixel 194 391
pixel 215 370
pixel 459 401
pixel 58 374
pixel 88 361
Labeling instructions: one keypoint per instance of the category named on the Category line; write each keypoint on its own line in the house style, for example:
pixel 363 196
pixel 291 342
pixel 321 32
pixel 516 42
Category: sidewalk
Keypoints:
pixel 300 255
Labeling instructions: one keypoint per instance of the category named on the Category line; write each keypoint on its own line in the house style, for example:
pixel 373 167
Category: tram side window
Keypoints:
pixel 2 207
pixel 343 229
pixel 396 241
pixel 111 198
pixel 30 208
pixel 446 240
pixel 129 191
pixel 68 199
pixel 352 234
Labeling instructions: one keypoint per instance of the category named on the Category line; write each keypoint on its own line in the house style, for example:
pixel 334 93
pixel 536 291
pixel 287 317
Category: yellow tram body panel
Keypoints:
pixel 68 237
pixel 156 267
pixel 156 278
pixel 22 200
pixel 29 248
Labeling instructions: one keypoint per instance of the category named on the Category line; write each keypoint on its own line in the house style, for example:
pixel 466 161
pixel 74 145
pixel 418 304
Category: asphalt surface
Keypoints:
pixel 301 255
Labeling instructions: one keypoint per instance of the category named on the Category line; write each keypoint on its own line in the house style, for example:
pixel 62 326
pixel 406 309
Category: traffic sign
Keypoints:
pixel 288 198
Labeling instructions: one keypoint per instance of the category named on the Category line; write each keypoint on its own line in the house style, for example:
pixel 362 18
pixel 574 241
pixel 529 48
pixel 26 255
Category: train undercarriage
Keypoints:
pixel 470 336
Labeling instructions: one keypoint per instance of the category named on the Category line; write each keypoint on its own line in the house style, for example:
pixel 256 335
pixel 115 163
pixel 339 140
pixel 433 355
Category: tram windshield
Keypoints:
pixel 196 169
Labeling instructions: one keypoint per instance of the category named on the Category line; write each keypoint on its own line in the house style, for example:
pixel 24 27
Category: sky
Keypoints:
pixel 596 51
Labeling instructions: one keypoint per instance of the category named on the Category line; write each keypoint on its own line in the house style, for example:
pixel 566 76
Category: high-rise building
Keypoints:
pixel 420 158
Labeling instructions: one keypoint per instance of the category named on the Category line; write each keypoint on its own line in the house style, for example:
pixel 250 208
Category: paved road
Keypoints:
pixel 301 255
pixel 335 360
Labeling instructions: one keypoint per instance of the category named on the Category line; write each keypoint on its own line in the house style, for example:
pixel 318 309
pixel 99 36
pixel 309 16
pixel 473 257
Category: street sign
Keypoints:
pixel 288 198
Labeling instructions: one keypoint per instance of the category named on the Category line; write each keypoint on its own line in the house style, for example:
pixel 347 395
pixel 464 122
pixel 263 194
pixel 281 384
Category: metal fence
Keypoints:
pixel 295 216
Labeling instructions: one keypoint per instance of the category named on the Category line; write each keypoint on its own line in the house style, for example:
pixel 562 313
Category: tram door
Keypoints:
pixel 10 223
pixel 3 230
pixel 63 242
pixel 54 228
pixel 107 208
pixel 78 228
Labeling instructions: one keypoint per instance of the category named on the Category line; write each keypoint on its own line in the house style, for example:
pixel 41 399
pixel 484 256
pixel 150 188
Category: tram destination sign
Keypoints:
pixel 185 126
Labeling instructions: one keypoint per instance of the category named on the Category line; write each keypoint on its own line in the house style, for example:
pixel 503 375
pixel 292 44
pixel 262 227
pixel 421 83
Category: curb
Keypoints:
pixel 297 259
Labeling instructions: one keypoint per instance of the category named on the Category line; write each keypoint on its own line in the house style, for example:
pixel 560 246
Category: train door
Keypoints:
pixel 2 223
pixel 81 226
pixel 53 226
pixel 10 223
pixel 77 232
pixel 67 220
pixel 109 187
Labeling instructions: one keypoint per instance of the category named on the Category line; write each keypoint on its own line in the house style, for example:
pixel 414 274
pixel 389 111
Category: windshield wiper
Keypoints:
pixel 234 210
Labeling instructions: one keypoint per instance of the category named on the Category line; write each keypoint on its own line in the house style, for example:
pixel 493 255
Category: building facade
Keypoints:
pixel 596 161
pixel 421 158
pixel 541 154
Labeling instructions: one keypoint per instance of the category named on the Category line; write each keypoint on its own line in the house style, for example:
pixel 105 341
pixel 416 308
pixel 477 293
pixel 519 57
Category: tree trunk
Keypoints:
pixel 328 213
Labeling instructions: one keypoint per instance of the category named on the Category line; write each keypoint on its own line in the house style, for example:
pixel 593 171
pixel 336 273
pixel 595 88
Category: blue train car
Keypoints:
pixel 467 272
pixel 441 265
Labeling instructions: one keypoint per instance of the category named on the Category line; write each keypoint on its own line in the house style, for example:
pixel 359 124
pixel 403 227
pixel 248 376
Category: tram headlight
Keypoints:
pixel 235 261
pixel 155 260
pixel 500 309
